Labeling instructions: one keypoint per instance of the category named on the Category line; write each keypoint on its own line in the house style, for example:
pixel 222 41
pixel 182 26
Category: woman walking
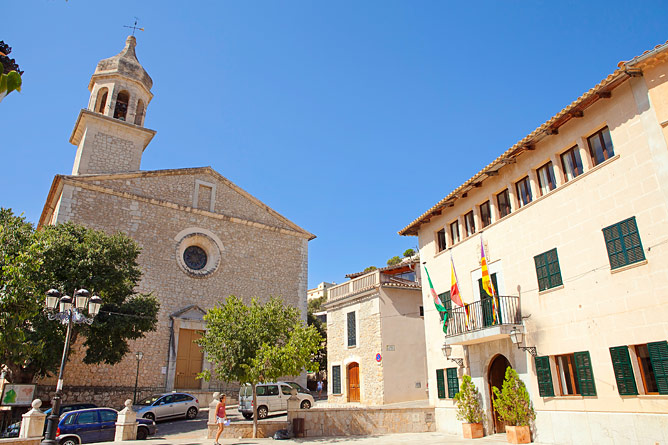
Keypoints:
pixel 220 417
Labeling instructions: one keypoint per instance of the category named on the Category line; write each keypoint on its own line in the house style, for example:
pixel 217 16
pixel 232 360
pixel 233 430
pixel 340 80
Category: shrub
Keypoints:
pixel 394 260
pixel 468 402
pixel 409 253
pixel 512 402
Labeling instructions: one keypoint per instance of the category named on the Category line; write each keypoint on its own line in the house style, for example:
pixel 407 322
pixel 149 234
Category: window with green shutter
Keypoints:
pixel 440 384
pixel 623 243
pixel 658 355
pixel 336 379
pixel 621 363
pixel 352 332
pixel 544 375
pixel 547 270
pixel 453 382
pixel 446 302
pixel 584 373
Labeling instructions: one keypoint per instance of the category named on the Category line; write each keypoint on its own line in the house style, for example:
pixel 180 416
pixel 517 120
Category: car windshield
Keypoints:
pixel 149 400
pixel 296 386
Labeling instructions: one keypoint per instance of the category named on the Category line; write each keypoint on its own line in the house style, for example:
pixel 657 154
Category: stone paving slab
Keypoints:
pixel 389 439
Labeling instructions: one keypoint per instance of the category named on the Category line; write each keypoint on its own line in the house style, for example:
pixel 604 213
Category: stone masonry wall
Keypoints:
pixel 106 147
pixel 255 262
pixel 369 343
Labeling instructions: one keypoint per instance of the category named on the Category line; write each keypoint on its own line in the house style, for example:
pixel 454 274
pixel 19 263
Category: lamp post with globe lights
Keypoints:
pixel 139 355
pixel 68 311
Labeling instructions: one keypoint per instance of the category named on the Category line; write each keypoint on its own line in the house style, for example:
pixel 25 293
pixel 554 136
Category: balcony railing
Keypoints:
pixel 481 315
pixel 354 286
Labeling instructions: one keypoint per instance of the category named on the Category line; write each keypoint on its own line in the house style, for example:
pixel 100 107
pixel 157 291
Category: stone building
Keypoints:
pixel 319 291
pixel 375 337
pixel 202 237
pixel 573 218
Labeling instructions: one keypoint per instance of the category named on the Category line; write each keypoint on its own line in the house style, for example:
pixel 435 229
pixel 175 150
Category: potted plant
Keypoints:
pixel 468 409
pixel 514 407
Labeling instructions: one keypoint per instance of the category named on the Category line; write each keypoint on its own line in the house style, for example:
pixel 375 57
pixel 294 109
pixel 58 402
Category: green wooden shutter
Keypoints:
pixel 352 332
pixel 440 384
pixel 547 270
pixel 544 375
pixel 336 379
pixel 584 373
pixel 658 356
pixel 541 272
pixel 623 243
pixel 621 363
pixel 453 382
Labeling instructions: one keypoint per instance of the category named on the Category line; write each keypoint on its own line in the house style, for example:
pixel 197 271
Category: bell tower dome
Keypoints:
pixel 110 134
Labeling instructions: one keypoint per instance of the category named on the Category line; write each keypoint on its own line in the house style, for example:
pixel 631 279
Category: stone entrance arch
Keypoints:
pixel 495 376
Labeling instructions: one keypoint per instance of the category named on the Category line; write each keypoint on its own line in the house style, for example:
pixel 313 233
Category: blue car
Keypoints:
pixel 95 425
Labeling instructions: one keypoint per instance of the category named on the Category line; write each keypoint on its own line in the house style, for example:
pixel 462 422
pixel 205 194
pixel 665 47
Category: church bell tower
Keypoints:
pixel 110 134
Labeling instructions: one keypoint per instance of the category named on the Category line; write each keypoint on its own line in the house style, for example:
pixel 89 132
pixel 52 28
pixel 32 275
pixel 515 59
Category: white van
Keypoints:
pixel 271 398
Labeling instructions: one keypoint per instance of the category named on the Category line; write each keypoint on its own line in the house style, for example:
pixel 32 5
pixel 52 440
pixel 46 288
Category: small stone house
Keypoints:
pixel 375 337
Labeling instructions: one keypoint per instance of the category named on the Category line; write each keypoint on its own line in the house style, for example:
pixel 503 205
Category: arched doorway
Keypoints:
pixel 353 382
pixel 497 372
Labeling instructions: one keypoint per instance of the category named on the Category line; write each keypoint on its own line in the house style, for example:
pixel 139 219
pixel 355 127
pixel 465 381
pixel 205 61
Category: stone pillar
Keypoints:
pixel 126 424
pixel 211 425
pixel 293 406
pixel 32 424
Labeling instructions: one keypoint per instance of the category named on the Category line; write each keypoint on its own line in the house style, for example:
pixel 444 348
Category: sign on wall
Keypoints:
pixel 18 395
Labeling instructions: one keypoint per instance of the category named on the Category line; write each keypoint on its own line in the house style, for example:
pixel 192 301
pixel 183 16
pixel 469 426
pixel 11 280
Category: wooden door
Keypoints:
pixel 354 382
pixel 189 359
pixel 497 372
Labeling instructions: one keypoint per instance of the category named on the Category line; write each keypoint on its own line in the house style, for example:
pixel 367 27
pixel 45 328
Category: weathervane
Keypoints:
pixel 134 27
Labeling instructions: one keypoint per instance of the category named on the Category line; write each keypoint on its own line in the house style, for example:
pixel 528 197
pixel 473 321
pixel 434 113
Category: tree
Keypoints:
pixel 513 402
pixel 409 253
pixel 468 402
pixel 257 343
pixel 394 260
pixel 315 305
pixel 10 74
pixel 65 257
pixel 369 269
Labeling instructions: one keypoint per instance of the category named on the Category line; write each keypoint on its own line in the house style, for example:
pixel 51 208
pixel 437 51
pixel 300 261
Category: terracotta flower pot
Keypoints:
pixel 472 430
pixel 518 434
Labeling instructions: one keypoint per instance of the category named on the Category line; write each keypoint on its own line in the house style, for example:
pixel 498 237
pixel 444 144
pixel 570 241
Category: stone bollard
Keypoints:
pixel 32 424
pixel 126 424
pixel 211 425
pixel 293 405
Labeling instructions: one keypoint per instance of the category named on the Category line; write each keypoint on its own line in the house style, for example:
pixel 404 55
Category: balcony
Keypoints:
pixel 480 325
pixel 368 282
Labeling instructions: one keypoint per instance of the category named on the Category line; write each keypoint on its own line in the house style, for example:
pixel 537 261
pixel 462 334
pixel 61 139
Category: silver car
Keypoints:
pixel 168 405
pixel 271 397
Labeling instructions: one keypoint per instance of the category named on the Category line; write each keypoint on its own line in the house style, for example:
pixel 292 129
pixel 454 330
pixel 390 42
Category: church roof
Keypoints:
pixel 92 181
pixel 126 64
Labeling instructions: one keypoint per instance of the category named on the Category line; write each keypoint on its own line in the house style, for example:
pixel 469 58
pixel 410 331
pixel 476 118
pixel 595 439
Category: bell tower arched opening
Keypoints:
pixel 101 101
pixel 122 101
pixel 139 115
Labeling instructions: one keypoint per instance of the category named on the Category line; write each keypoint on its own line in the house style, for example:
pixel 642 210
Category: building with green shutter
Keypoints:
pixel 573 221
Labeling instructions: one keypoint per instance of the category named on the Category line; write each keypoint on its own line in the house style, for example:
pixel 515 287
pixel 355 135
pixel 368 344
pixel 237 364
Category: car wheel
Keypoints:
pixel 262 412
pixel 247 416
pixel 305 404
pixel 191 413
pixel 69 442
pixel 142 433
pixel 149 416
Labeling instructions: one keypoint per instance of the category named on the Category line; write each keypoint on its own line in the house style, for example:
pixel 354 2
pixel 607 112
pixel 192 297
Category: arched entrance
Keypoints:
pixel 353 382
pixel 497 372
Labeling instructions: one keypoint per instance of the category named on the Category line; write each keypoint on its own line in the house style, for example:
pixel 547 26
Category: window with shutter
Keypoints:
pixel 446 302
pixel 544 375
pixel 658 355
pixel 336 379
pixel 352 332
pixel 623 243
pixel 440 384
pixel 548 271
pixel 621 364
pixel 584 373
pixel 453 382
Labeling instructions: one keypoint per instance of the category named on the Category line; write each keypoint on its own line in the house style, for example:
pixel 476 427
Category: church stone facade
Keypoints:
pixel 202 237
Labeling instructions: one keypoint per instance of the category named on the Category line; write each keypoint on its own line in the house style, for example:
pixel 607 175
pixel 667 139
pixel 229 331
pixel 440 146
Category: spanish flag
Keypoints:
pixel 487 283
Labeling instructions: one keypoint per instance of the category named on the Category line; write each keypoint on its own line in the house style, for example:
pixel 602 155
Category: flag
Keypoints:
pixel 487 283
pixel 455 296
pixel 437 301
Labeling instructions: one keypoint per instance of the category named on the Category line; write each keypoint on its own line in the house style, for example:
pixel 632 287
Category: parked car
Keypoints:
pixel 271 398
pixel 299 388
pixel 168 405
pixel 95 425
pixel 67 408
pixel 11 431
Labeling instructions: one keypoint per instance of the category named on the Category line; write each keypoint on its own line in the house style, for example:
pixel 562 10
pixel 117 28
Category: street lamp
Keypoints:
pixel 139 355
pixel 70 311
pixel 447 350
pixel 517 336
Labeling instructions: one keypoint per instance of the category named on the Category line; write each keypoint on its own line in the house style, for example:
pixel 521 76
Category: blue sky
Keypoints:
pixel 350 118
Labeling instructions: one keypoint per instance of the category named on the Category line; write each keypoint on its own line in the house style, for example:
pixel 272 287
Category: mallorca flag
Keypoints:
pixel 487 282
pixel 437 301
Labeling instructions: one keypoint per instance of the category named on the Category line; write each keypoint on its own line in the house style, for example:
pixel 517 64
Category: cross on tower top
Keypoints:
pixel 134 27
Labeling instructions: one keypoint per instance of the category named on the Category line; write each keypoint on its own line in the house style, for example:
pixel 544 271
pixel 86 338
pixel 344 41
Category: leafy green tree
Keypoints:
pixel 10 74
pixel 257 343
pixel 315 305
pixel 409 253
pixel 369 269
pixel 66 257
pixel 513 402
pixel 394 260
pixel 468 402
